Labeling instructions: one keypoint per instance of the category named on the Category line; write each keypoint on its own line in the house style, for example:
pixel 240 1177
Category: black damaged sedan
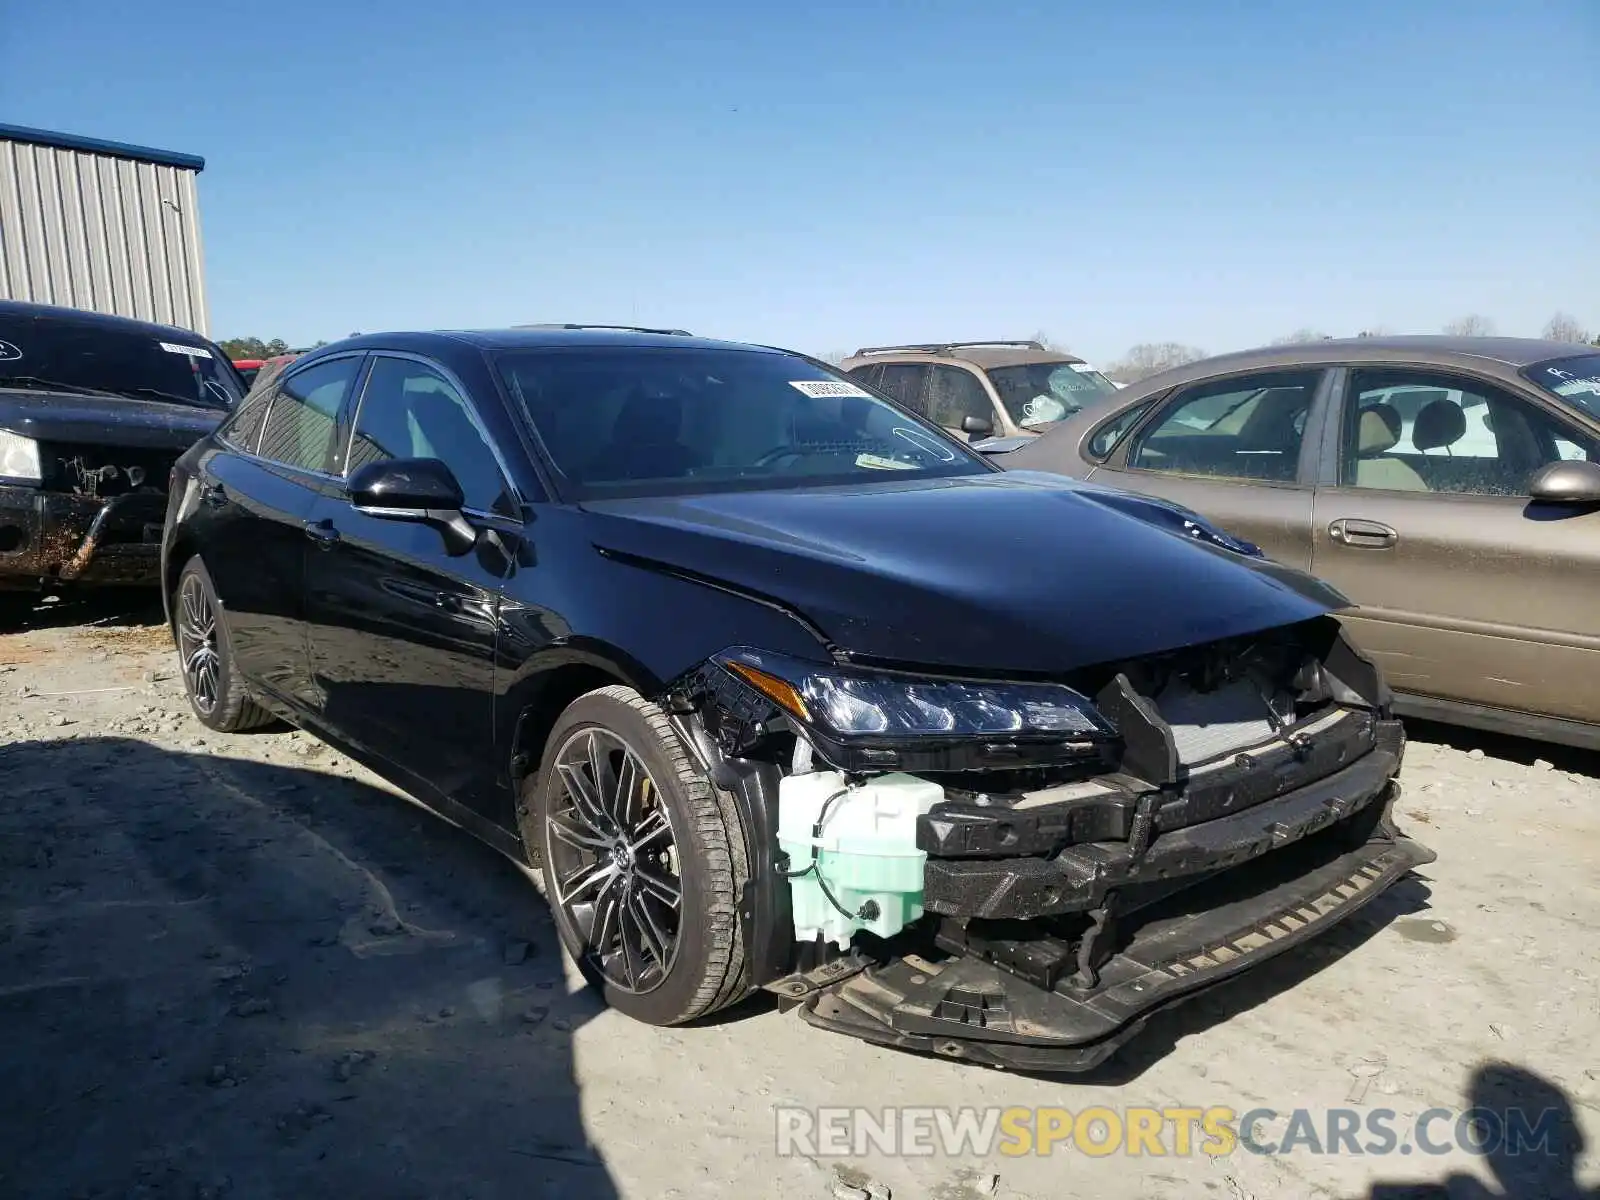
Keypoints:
pixel 782 687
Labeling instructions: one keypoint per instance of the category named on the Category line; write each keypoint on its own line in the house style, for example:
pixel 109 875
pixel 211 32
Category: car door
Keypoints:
pixel 402 633
pixel 1466 591
pixel 255 494
pixel 1239 450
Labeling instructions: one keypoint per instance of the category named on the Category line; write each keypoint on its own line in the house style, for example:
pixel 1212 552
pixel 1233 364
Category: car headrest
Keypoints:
pixel 1379 430
pixel 649 419
pixel 1440 423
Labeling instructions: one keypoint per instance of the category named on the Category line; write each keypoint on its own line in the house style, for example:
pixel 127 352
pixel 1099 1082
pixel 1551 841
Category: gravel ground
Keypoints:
pixel 243 966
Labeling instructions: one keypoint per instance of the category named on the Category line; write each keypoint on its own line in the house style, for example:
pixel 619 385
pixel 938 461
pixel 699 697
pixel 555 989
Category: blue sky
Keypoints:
pixel 829 175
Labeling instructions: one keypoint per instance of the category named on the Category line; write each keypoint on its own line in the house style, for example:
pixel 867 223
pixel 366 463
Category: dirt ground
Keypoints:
pixel 242 966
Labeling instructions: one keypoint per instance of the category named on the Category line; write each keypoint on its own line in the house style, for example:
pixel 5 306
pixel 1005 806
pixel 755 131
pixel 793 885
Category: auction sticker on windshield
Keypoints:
pixel 878 463
pixel 817 388
pixel 191 351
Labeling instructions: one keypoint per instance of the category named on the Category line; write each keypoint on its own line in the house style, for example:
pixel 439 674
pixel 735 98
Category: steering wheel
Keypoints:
pixel 777 453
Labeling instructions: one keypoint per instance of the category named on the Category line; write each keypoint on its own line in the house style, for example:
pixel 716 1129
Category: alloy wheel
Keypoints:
pixel 614 860
pixel 197 644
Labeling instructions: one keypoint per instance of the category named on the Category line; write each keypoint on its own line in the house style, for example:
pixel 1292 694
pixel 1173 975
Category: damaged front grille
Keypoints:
pixel 101 472
pixel 1229 751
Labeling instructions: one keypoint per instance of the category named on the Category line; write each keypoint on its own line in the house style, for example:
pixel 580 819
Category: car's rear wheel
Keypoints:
pixel 642 860
pixel 205 656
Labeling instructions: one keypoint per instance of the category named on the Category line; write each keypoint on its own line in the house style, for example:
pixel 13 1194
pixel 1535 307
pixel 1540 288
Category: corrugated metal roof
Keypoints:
pixel 89 145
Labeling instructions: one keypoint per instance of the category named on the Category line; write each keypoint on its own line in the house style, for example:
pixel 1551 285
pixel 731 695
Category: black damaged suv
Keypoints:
pixel 781 686
pixel 94 410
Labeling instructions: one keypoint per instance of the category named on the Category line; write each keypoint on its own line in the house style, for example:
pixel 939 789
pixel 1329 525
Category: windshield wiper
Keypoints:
pixel 54 385
pixel 171 397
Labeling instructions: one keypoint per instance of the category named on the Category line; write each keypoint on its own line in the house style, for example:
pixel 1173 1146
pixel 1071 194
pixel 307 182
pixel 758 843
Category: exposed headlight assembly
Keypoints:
pixel 19 458
pixel 864 719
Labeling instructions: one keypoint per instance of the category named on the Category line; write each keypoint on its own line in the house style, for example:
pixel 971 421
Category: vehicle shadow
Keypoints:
pixel 223 976
pixel 1228 1000
pixel 107 607
pixel 1504 746
pixel 1506 1099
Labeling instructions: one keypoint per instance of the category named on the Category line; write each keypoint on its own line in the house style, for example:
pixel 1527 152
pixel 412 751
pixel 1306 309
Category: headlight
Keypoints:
pixel 852 705
pixel 19 458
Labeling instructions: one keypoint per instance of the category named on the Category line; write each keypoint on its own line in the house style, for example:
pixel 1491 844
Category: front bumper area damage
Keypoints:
pixel 1014 994
pixel 1064 902
pixel 48 537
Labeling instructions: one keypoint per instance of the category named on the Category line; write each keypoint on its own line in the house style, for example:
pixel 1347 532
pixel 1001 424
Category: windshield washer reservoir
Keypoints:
pixel 866 854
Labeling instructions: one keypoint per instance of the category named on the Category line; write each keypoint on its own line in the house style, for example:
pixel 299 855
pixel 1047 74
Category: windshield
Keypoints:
pixel 47 352
pixel 634 421
pixel 1039 393
pixel 1574 381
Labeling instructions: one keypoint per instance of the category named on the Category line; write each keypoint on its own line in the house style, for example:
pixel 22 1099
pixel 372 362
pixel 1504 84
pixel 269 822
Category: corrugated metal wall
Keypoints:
pixel 108 234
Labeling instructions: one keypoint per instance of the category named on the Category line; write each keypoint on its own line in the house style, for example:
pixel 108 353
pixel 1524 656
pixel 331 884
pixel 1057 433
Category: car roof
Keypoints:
pixel 25 309
pixel 1437 350
pixel 979 354
pixel 542 337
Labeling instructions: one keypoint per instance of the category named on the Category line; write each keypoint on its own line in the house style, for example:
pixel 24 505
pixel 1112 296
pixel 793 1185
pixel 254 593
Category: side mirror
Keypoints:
pixel 1572 481
pixel 415 489
pixel 977 427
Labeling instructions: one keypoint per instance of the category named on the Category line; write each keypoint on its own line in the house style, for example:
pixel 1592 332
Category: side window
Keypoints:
pixel 955 394
pixel 243 428
pixel 867 375
pixel 1242 428
pixel 1412 430
pixel 298 429
pixel 1110 435
pixel 410 410
pixel 904 381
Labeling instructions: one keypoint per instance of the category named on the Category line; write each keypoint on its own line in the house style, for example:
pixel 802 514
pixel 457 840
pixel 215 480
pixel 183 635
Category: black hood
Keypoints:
pixel 1016 572
pixel 104 420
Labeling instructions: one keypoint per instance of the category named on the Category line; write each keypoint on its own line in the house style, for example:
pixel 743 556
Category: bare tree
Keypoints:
pixel 1375 331
pixel 1471 325
pixel 834 357
pixel 1151 358
pixel 1049 343
pixel 1564 327
pixel 1303 334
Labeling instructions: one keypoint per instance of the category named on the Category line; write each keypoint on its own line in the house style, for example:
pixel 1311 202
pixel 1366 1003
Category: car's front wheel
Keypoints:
pixel 205 656
pixel 642 860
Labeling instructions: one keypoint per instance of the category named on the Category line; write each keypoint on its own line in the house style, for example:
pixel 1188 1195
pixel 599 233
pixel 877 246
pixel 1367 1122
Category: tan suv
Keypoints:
pixel 982 389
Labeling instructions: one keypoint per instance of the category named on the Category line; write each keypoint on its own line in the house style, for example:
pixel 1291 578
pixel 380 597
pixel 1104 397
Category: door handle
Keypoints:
pixel 1362 535
pixel 322 533
pixel 213 495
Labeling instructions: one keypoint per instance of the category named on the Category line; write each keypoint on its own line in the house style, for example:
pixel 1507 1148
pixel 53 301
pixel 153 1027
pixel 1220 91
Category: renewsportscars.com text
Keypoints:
pixel 1178 1132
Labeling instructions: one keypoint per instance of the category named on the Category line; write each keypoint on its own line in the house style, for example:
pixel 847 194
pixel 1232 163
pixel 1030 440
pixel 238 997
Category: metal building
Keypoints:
pixel 101 225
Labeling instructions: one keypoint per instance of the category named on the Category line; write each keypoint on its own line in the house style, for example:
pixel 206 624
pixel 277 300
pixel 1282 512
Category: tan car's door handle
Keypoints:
pixel 1362 535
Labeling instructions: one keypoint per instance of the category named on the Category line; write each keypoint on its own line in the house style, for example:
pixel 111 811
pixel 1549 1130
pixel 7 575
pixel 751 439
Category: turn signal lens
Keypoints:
pixel 780 693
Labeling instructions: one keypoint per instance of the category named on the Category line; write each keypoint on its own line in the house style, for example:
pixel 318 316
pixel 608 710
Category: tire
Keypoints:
pixel 706 967
pixel 217 695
